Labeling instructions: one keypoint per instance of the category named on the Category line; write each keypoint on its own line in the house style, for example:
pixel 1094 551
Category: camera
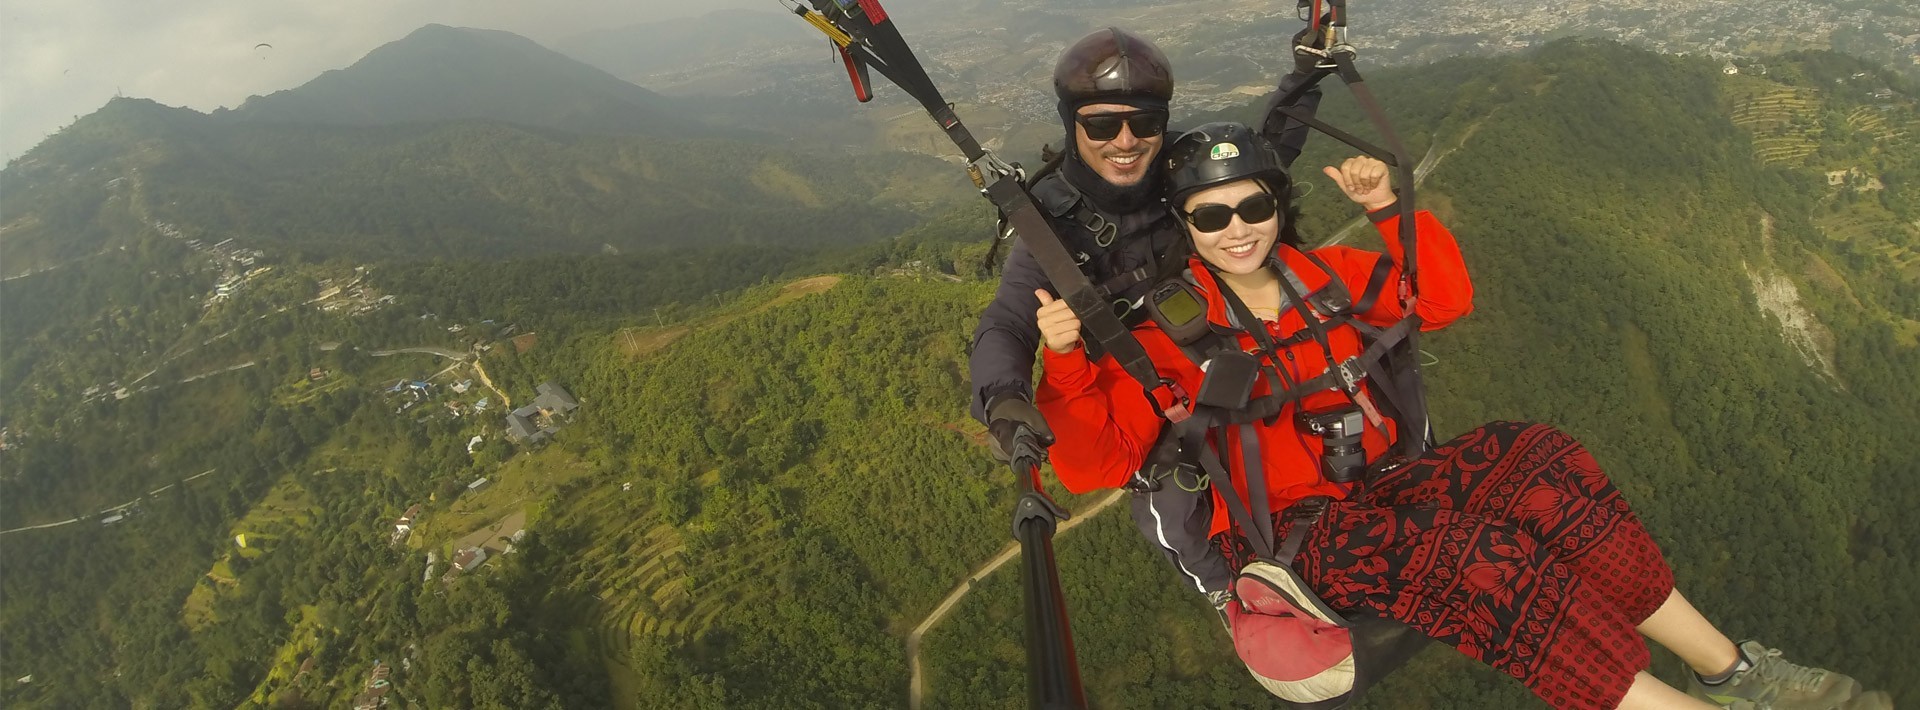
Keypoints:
pixel 1339 430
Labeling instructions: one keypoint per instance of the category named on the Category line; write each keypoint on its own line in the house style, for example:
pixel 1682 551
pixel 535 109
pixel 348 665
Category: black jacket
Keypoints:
pixel 1007 337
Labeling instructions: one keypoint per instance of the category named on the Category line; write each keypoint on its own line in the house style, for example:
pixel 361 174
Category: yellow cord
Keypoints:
pixel 833 33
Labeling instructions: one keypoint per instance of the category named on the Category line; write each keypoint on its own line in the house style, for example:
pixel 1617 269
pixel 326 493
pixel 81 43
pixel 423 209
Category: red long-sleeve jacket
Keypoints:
pixel 1103 423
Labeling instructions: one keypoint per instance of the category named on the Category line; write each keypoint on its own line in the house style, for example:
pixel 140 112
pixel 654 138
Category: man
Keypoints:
pixel 1106 203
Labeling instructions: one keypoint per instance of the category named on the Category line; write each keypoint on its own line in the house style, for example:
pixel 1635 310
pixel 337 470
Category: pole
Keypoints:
pixel 1053 671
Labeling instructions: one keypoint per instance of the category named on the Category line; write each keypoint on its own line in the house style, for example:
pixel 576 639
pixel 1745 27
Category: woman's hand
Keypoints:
pixel 1059 327
pixel 1365 180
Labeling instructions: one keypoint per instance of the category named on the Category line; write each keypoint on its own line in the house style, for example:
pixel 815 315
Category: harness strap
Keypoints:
pixel 1119 284
pixel 1096 316
pixel 1304 514
pixel 1314 325
pixel 1345 375
pixel 1250 465
pixel 1376 282
pixel 1255 524
pixel 1193 436
pixel 1261 338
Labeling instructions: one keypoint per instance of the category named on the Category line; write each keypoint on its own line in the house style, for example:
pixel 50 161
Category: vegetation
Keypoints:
pixel 772 478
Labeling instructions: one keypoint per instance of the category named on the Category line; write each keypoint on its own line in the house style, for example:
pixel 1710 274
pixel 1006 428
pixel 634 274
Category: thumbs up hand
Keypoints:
pixel 1059 327
pixel 1365 180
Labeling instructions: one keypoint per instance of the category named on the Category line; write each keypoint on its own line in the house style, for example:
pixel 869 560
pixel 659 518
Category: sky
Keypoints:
pixel 60 59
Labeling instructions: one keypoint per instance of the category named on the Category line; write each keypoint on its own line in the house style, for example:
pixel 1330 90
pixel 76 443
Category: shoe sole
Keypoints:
pixel 1263 583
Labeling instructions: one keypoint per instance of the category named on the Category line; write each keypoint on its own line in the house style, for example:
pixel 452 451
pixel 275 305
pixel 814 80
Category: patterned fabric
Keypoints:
pixel 1507 543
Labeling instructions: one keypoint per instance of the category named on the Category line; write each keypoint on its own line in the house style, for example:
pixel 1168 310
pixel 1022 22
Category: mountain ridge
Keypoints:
pixel 441 73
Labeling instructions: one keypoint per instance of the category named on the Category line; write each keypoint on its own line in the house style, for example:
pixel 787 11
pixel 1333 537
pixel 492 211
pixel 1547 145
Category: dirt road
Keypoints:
pixel 1007 554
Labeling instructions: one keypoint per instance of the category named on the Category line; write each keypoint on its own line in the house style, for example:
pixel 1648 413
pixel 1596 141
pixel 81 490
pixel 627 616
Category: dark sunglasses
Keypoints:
pixel 1253 210
pixel 1106 126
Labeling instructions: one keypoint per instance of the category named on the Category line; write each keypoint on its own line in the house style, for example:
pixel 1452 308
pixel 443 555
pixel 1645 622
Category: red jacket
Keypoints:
pixel 1102 421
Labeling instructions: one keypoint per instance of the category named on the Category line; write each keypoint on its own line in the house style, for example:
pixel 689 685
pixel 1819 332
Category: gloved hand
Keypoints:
pixel 1007 416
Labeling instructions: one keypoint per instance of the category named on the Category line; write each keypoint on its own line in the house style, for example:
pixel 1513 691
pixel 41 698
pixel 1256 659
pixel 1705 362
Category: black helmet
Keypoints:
pixel 1110 64
pixel 1219 153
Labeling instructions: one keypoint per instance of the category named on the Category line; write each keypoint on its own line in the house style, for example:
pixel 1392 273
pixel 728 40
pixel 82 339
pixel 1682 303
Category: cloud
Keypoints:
pixel 60 60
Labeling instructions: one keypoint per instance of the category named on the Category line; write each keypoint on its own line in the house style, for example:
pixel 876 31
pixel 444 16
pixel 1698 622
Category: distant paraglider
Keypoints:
pixel 260 50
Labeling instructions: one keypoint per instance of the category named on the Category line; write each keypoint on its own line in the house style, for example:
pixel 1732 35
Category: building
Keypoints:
pixel 469 558
pixel 375 694
pixel 520 426
pixel 534 422
pixel 477 484
pixel 551 399
pixel 404 526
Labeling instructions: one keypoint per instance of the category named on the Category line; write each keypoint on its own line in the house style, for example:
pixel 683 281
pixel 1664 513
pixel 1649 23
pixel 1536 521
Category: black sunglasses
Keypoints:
pixel 1145 123
pixel 1253 210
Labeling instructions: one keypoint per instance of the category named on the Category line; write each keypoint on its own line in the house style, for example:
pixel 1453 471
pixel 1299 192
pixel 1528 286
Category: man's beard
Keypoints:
pixel 1106 196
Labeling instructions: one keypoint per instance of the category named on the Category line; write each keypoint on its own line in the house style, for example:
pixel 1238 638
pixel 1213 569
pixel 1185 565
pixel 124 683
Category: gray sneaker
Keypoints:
pixel 1774 684
pixel 1876 700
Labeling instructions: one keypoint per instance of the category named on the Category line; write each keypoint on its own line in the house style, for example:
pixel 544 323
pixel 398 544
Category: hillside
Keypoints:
pixel 449 143
pixel 441 73
pixel 1615 248
pixel 136 170
pixel 772 480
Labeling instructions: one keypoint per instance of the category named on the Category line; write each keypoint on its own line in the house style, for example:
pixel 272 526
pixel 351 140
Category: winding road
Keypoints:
pixel 114 509
pixel 442 352
pixel 1012 550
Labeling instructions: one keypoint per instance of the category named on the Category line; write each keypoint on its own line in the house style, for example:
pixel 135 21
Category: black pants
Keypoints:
pixel 1176 520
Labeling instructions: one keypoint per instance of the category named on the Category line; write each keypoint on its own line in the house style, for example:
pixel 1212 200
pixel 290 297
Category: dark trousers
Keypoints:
pixel 1177 522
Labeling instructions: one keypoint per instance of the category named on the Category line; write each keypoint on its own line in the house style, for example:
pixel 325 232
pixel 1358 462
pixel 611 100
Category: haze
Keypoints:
pixel 62 60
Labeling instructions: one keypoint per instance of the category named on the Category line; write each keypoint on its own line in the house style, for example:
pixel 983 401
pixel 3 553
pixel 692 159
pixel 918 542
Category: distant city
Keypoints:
pixel 1236 48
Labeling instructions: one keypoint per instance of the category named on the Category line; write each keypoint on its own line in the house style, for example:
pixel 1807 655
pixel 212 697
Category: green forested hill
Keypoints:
pixel 447 190
pixel 441 73
pixel 772 481
pixel 1610 211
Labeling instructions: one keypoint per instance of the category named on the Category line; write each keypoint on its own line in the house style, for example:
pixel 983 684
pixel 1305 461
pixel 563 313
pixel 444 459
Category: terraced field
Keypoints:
pixel 1869 225
pixel 1784 123
pixel 1873 121
pixel 287 509
pixel 644 583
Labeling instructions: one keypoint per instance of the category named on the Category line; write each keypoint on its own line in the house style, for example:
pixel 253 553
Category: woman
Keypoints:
pixel 1507 543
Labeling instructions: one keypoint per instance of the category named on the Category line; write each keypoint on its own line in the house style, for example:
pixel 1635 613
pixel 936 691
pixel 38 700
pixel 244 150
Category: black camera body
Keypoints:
pixel 1339 429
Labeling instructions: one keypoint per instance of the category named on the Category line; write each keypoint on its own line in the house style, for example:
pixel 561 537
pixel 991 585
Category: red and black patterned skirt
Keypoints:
pixel 1509 544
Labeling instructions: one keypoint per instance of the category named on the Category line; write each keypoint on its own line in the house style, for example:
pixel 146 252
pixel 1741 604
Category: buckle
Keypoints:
pixel 1308 507
pixel 1143 481
pixel 1350 373
pixel 1182 408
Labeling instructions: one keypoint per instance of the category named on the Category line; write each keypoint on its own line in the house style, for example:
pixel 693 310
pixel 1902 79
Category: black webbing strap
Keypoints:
pixel 1119 284
pixel 1102 325
pixel 884 49
pixel 1376 282
pixel 1285 109
pixel 1254 328
pixel 1352 370
pixel 1255 523
pixel 1193 437
pixel 1313 324
pixel 1256 474
pixel 1363 95
pixel 1305 514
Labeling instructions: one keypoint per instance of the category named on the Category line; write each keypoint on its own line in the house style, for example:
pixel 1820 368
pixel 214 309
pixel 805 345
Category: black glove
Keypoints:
pixel 1011 418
